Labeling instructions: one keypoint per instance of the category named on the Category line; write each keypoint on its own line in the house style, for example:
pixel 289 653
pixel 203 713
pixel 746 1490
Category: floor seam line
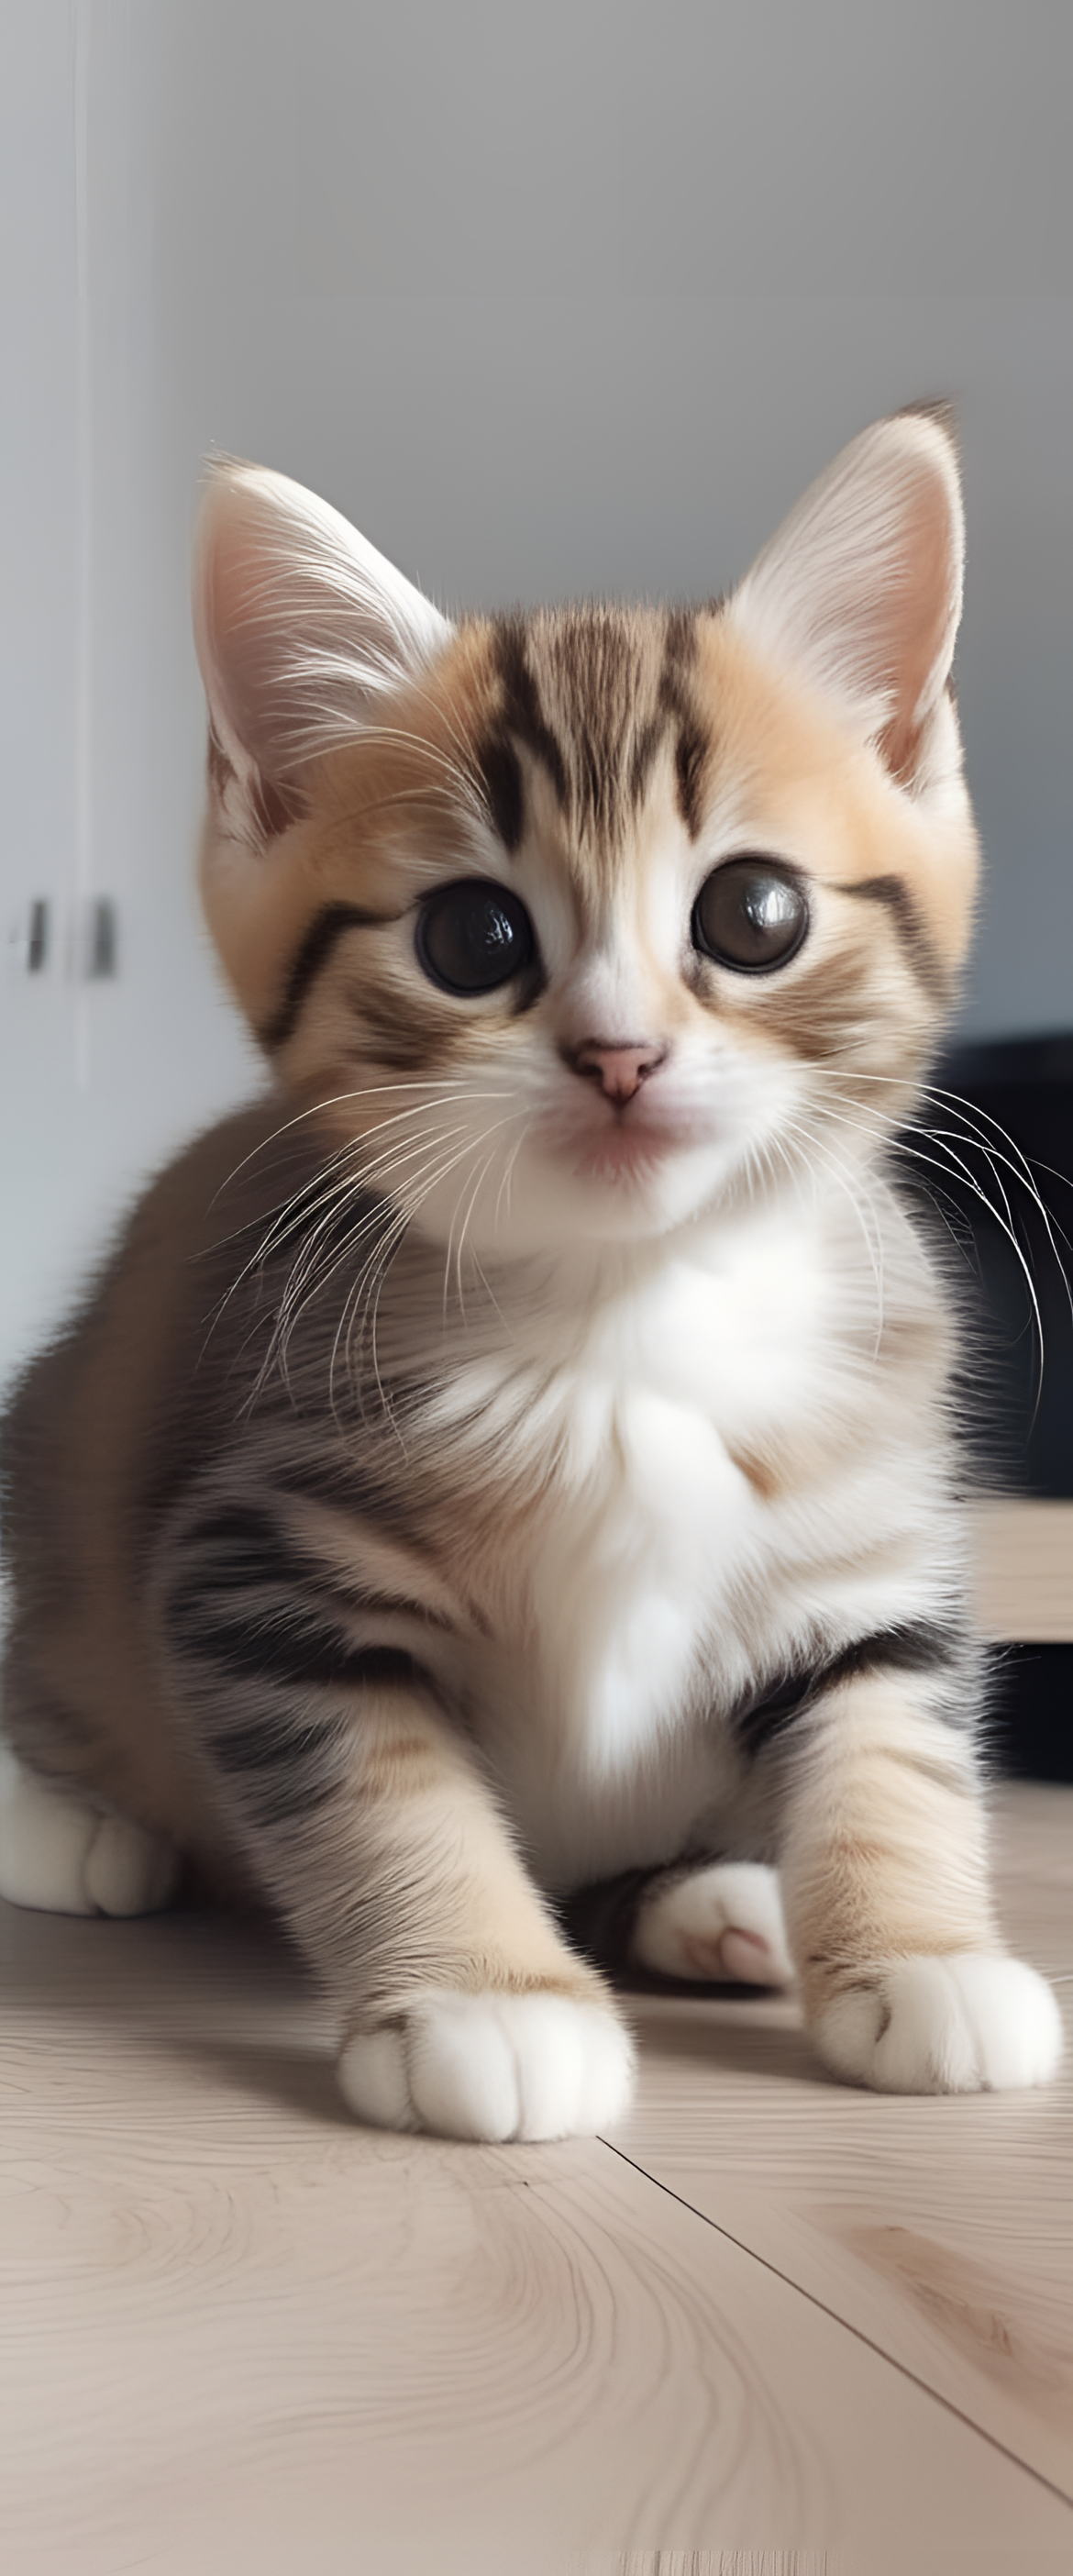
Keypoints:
pixel 837 2319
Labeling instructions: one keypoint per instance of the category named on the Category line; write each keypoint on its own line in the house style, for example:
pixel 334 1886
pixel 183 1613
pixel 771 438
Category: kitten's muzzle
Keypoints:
pixel 619 1070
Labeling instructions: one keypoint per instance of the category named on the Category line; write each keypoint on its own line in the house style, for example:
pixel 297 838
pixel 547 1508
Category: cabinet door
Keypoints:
pixel 101 721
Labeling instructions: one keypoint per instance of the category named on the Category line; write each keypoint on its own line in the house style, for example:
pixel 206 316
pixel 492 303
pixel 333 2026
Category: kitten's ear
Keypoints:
pixel 861 587
pixel 300 626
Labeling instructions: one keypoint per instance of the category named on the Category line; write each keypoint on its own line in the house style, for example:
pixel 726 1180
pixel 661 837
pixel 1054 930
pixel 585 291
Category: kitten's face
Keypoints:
pixel 603 919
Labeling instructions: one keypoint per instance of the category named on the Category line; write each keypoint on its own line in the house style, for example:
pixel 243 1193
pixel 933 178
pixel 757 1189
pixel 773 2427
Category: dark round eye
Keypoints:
pixel 750 914
pixel 474 935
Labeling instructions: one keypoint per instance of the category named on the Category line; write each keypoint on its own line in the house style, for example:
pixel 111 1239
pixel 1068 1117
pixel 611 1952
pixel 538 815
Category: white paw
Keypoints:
pixel 492 2066
pixel 63 1857
pixel 724 1922
pixel 967 2023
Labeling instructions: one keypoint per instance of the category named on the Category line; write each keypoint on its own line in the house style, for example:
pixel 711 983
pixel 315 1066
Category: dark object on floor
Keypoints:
pixel 1031 1729
pixel 1019 1094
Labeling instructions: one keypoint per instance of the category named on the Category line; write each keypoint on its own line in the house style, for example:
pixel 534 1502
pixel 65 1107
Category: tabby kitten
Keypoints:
pixel 517 1453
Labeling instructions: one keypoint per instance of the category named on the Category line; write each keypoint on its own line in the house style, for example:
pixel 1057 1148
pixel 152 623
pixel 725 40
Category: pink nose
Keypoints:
pixel 619 1070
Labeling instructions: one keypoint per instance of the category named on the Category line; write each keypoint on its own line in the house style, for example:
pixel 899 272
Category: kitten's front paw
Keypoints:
pixel 722 1922
pixel 492 2066
pixel 60 1856
pixel 966 2023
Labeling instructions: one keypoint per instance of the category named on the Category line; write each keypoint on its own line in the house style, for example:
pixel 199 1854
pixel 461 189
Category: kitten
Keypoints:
pixel 517 1454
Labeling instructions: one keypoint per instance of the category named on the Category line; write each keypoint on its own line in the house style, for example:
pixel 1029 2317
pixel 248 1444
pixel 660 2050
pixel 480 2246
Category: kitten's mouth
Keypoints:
pixel 622 1153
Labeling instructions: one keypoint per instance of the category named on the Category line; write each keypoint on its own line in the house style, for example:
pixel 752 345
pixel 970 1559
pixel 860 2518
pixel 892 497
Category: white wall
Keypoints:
pixel 548 300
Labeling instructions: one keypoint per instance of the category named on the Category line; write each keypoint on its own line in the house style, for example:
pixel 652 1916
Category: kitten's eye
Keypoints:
pixel 473 936
pixel 750 914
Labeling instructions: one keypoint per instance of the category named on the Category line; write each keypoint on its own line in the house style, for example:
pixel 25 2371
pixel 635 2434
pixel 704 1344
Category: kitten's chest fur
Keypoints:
pixel 671 1482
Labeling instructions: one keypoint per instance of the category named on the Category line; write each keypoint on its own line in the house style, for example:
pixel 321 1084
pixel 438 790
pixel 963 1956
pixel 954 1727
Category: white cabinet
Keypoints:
pixel 100 717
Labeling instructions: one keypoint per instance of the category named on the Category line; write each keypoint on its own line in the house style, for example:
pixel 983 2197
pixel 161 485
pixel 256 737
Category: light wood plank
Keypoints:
pixel 239 2334
pixel 1024 1571
pixel 942 2230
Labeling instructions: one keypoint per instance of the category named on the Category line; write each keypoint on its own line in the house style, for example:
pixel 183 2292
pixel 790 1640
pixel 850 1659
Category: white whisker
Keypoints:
pixel 912 1147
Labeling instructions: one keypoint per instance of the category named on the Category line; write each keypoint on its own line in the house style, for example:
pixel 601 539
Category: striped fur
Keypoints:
pixel 517 1454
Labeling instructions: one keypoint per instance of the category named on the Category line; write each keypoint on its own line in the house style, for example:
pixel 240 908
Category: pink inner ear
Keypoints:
pixel 244 656
pixel 861 586
pixel 253 617
pixel 300 625
pixel 922 622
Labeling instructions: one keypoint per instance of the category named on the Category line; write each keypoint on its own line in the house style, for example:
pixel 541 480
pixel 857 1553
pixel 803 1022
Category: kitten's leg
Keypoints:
pixel 721 1921
pixel 463 2011
pixel 62 1856
pixel 904 1980
pixel 367 1820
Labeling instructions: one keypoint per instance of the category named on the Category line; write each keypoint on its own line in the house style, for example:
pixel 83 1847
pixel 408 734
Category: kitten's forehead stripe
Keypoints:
pixel 594 693
pixel 690 759
pixel 501 778
pixel 680 702
pixel 523 715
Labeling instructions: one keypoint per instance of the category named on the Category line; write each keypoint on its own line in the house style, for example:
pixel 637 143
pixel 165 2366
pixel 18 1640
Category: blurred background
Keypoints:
pixel 550 299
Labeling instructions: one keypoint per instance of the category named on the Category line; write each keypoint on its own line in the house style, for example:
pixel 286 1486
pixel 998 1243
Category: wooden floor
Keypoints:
pixel 772 2328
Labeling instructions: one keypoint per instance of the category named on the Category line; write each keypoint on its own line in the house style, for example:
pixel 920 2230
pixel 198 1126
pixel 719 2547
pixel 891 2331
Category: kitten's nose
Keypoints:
pixel 619 1070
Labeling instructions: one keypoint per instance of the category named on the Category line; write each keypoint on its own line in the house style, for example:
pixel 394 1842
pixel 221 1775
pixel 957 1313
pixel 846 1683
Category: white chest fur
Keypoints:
pixel 646 1541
